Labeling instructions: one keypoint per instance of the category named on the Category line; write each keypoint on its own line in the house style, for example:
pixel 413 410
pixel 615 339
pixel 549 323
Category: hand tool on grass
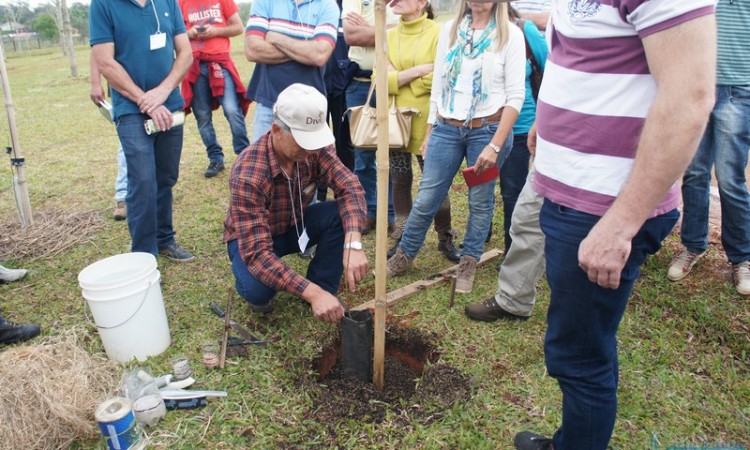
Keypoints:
pixel 247 338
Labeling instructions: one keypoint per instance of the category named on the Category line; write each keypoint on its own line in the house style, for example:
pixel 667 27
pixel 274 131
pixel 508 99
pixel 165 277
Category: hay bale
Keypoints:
pixel 49 391
pixel 53 232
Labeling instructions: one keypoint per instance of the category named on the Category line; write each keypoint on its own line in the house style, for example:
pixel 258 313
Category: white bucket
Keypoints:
pixel 124 296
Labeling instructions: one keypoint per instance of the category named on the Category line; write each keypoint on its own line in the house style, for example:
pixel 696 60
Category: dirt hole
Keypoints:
pixel 415 385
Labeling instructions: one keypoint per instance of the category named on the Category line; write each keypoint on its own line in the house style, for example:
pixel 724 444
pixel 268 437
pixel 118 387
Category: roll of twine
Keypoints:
pixel 210 360
pixel 117 423
pixel 181 369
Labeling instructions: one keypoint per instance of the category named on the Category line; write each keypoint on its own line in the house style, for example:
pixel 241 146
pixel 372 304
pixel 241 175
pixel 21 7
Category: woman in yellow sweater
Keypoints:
pixel 412 46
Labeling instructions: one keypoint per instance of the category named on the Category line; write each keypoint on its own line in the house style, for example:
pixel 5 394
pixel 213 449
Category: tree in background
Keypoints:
pixel 79 19
pixel 45 26
pixel 62 20
pixel 17 12
pixel 68 39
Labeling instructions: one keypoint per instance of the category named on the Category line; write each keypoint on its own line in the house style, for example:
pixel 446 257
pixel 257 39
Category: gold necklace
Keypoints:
pixel 416 47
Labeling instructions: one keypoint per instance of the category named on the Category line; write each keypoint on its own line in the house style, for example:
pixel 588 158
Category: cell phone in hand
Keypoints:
pixel 200 28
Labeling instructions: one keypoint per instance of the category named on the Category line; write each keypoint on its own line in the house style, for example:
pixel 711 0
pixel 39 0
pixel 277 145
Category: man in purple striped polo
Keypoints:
pixel 627 91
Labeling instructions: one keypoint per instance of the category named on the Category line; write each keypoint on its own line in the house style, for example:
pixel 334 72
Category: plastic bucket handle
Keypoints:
pixel 143 301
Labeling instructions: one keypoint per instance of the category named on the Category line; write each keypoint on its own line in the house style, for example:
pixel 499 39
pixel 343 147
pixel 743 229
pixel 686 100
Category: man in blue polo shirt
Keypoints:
pixel 290 41
pixel 134 43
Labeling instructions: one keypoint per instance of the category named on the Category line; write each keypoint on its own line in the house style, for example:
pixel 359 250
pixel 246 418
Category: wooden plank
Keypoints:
pixel 407 291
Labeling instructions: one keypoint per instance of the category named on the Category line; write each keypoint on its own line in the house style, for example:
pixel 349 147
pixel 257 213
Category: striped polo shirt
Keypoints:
pixel 596 93
pixel 309 20
pixel 733 63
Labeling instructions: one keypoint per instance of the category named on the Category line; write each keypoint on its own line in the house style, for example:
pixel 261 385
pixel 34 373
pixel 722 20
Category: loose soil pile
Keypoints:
pixel 408 384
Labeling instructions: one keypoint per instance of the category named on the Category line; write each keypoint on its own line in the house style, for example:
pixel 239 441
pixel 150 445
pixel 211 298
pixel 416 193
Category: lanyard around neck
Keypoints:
pixel 291 198
pixel 156 16
pixel 299 16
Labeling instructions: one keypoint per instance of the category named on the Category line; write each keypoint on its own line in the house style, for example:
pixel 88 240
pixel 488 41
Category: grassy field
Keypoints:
pixel 684 347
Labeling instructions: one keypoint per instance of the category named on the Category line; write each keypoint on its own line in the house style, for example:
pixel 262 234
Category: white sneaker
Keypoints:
pixel 741 275
pixel 682 264
pixel 9 275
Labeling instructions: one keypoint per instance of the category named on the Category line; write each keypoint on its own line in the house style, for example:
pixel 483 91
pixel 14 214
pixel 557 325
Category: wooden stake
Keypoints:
pixel 24 205
pixel 381 231
pixel 227 327
pixel 453 291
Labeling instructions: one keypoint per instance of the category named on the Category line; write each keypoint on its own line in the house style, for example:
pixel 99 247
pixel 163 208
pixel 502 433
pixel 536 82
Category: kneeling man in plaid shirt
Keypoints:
pixel 270 214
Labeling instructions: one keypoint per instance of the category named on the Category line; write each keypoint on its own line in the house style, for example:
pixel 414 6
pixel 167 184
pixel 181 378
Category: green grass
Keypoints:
pixel 683 346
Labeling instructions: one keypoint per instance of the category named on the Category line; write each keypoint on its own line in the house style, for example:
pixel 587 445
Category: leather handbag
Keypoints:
pixel 363 125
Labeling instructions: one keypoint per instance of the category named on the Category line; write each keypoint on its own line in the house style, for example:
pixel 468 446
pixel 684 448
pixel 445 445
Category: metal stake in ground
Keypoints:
pixel 453 291
pixel 227 327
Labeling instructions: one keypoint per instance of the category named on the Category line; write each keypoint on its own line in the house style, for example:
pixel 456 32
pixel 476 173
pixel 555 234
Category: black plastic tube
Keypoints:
pixel 356 342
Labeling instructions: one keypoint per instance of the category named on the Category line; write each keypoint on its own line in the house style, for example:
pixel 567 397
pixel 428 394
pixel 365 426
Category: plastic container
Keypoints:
pixel 125 299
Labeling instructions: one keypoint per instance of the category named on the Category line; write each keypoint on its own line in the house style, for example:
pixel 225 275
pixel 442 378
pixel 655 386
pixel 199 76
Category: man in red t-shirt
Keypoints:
pixel 213 79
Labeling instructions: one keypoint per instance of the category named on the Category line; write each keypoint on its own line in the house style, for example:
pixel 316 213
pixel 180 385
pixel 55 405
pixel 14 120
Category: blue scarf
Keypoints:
pixel 466 46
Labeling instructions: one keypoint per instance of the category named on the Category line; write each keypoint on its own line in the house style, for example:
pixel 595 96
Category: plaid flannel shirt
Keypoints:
pixel 260 206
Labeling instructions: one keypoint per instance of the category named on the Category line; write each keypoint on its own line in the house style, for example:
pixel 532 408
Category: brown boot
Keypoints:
pixel 465 274
pixel 369 225
pixel 489 311
pixel 121 211
pixel 399 264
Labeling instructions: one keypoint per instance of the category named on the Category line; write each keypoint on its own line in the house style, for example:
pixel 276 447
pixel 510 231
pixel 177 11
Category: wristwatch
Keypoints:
pixel 354 245
pixel 494 146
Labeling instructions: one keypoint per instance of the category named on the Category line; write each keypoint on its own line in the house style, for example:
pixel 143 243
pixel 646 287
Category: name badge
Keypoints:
pixel 303 241
pixel 158 40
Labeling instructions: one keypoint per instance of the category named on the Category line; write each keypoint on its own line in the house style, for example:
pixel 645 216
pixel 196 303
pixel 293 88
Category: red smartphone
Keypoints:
pixel 472 179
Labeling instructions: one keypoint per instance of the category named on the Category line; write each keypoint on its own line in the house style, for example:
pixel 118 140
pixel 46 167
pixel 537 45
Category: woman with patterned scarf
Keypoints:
pixel 477 93
pixel 412 46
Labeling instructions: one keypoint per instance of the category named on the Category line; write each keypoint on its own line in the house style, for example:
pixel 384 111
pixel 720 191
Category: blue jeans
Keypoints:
pixel 724 145
pixel 446 150
pixel 153 167
pixel 121 182
pixel 512 179
pixel 324 229
pixel 365 164
pixel 580 348
pixel 261 122
pixel 230 103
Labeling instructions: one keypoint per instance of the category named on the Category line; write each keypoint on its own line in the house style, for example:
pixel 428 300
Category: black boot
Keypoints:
pixel 447 248
pixel 11 332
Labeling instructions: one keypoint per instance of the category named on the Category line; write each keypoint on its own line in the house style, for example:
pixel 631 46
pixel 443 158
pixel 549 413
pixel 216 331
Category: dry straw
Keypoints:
pixel 49 391
pixel 53 232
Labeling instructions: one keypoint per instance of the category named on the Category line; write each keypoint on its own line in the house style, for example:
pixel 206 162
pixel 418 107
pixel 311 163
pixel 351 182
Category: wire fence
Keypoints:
pixel 19 46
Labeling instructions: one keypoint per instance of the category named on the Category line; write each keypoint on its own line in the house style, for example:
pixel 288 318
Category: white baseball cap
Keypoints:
pixel 304 110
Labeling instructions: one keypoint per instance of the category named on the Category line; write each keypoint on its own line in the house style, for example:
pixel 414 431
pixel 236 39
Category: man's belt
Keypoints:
pixel 362 73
